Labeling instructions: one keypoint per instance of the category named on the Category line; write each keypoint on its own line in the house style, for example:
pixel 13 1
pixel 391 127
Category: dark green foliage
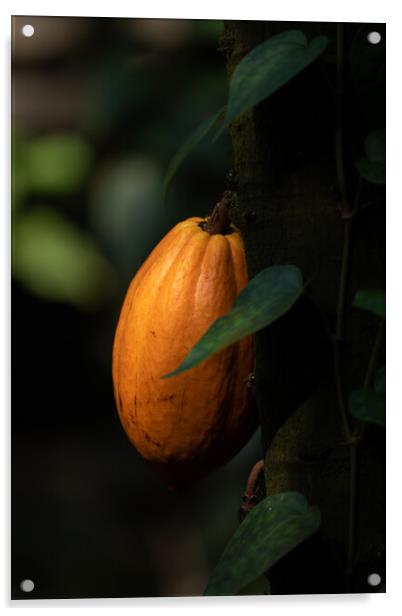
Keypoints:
pixel 268 67
pixel 368 405
pixel 372 167
pixel 371 171
pixel 379 380
pixel 273 528
pixel 375 146
pixel 372 300
pixel 263 71
pixel 266 298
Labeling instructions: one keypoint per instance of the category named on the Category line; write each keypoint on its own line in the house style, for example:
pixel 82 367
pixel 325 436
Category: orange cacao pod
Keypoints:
pixel 189 424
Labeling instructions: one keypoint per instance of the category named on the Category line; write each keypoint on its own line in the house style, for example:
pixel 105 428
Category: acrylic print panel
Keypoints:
pixel 258 467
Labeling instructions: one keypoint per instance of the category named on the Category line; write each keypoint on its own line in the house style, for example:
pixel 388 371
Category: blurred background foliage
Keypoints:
pixel 99 108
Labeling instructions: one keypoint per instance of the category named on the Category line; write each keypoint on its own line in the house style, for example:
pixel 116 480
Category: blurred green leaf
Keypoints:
pixel 372 168
pixel 125 210
pixel 58 262
pixel 20 180
pixel 368 405
pixel 371 171
pixel 272 529
pixel 268 67
pixel 379 380
pixel 57 164
pixel 187 147
pixel 372 300
pixel 374 146
pixel 266 297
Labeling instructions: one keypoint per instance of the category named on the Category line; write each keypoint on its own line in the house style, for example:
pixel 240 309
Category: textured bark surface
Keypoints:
pixel 285 177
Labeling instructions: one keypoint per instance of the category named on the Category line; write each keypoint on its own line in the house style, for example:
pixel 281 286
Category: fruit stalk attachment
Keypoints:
pixel 219 221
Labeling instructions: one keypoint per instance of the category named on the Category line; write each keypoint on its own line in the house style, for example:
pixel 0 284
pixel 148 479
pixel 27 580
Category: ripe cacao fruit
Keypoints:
pixel 192 423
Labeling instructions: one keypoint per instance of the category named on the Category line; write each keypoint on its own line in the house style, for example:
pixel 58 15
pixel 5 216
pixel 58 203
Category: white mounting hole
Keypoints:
pixel 374 579
pixel 374 38
pixel 27 585
pixel 28 30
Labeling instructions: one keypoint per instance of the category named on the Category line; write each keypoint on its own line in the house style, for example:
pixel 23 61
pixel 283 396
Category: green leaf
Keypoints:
pixel 266 297
pixel 268 67
pixel 57 164
pixel 368 405
pixel 372 168
pixel 379 380
pixel 187 147
pixel 260 586
pixel 374 146
pixel 373 172
pixel 372 300
pixel 272 529
pixel 55 260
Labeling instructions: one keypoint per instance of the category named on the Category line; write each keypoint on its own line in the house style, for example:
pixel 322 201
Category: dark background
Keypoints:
pixel 99 108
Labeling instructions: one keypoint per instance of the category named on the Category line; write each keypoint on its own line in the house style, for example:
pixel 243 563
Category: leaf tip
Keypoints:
pixel 169 375
pixel 180 368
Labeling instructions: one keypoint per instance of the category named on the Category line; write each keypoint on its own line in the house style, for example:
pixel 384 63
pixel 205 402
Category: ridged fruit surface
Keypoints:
pixel 189 424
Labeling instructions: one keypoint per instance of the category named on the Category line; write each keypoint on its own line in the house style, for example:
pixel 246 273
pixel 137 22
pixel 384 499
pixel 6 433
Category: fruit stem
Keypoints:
pixel 250 497
pixel 253 478
pixel 219 222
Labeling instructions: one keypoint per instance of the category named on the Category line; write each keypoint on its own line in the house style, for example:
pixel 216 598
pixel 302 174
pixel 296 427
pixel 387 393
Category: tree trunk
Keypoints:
pixel 288 210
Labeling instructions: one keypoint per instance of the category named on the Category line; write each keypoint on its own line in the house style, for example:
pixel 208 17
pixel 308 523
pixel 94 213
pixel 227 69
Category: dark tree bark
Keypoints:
pixel 289 213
